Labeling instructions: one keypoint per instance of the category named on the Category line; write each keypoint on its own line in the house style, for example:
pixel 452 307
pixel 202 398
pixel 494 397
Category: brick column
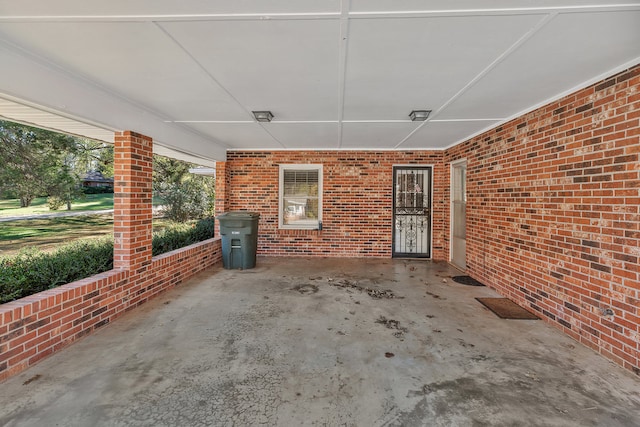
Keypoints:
pixel 223 178
pixel 132 200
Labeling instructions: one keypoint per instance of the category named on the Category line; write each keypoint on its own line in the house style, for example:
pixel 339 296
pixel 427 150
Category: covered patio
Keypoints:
pixel 385 142
pixel 316 341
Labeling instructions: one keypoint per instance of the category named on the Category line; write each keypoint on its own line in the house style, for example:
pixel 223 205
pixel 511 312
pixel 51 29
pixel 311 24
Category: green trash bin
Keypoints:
pixel 239 231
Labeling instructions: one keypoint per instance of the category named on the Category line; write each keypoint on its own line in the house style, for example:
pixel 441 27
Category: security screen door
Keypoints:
pixel 412 211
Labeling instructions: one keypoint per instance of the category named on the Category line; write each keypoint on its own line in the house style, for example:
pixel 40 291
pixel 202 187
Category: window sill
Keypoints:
pixel 297 231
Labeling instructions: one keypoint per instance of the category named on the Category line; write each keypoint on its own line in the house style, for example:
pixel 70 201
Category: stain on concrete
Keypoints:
pixel 32 379
pixel 372 292
pixel 399 331
pixel 306 289
pixel 479 401
pixel 284 346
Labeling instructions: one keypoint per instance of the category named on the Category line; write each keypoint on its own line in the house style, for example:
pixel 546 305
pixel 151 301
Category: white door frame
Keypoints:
pixel 453 165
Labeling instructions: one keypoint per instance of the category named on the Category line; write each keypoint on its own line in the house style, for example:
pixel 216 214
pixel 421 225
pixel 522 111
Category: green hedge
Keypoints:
pixel 33 271
pixel 103 189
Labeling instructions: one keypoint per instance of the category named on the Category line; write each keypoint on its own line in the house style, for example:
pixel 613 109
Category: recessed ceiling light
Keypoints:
pixel 263 116
pixel 419 115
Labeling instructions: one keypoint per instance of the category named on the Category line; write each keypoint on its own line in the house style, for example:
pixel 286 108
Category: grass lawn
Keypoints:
pixel 48 233
pixel 90 202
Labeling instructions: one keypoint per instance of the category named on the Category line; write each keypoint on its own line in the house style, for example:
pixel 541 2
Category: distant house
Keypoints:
pixel 95 179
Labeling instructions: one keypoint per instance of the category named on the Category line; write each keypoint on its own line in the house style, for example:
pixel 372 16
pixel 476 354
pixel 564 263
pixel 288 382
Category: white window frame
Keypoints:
pixel 285 167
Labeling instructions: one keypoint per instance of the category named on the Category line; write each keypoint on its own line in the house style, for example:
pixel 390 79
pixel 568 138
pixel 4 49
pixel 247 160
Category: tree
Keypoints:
pixel 34 162
pixel 105 161
pixel 185 195
pixel 64 187
pixel 92 155
pixel 170 171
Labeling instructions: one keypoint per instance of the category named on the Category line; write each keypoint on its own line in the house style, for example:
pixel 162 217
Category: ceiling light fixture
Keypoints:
pixel 419 115
pixel 263 116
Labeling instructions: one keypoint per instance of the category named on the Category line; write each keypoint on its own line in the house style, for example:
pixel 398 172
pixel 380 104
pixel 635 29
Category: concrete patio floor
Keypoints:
pixel 299 341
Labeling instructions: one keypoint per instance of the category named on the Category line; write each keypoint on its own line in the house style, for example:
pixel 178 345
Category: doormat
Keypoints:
pixel 506 309
pixel 466 280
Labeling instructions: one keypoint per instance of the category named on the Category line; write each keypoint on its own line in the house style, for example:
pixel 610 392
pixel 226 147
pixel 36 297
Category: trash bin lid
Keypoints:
pixel 239 215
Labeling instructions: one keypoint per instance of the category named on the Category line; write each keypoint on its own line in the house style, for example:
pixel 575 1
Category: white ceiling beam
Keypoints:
pixel 160 149
pixel 32 80
pixel 494 11
pixel 18 111
pixel 372 14
pixel 342 64
pixel 171 18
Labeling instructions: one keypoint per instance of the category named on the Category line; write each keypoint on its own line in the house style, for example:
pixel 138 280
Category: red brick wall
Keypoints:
pixel 553 219
pixel 357 200
pixel 222 194
pixel 553 222
pixel 132 205
pixel 34 327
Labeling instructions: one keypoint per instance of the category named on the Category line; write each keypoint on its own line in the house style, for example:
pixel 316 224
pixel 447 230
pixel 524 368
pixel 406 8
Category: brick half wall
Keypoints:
pixel 36 326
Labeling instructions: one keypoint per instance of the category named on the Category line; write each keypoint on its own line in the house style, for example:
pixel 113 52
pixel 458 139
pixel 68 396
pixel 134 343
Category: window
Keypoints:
pixel 300 196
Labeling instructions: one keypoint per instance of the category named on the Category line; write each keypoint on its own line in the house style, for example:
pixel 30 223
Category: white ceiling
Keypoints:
pixel 335 74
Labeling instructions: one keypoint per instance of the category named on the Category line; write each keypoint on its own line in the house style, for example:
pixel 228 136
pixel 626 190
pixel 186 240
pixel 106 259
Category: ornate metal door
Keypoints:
pixel 412 211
